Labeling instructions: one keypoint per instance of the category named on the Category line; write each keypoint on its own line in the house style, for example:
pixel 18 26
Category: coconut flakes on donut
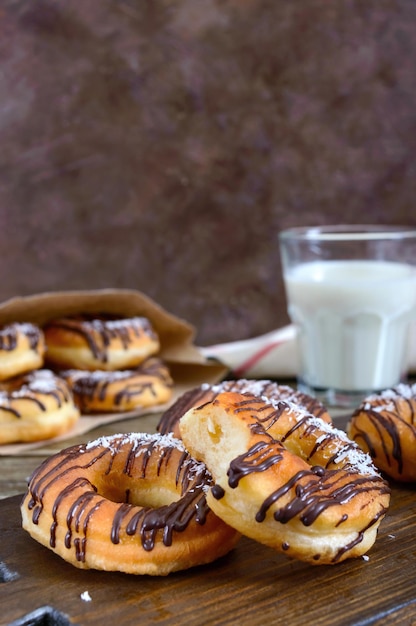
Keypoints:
pixel 254 387
pixel 107 441
pixel 406 391
pixel 390 396
pixel 137 439
pixel 144 517
pixel 358 460
pixel 42 381
pixel 120 323
pixel 25 327
pixel 98 375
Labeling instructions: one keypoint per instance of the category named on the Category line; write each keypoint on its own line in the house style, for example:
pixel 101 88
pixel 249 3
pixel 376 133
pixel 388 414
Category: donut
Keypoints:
pixel 35 406
pixel 101 391
pixel 287 479
pixel 384 425
pixel 169 421
pixel 133 503
pixel 102 343
pixel 22 349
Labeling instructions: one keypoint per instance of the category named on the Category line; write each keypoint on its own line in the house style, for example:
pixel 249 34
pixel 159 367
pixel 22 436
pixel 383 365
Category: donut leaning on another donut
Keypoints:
pixel 169 421
pixel 101 343
pixel 384 425
pixel 22 349
pixel 102 391
pixel 132 503
pixel 286 478
pixel 35 406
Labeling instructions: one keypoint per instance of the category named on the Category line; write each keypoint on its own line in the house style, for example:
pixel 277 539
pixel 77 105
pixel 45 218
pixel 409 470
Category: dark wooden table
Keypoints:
pixel 252 585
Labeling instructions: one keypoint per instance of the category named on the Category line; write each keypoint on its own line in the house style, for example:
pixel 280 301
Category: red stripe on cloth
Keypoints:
pixel 255 358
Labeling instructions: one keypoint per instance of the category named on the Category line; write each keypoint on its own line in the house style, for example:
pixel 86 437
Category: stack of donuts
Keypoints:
pixel 51 375
pixel 238 458
pixel 111 365
pixel 35 403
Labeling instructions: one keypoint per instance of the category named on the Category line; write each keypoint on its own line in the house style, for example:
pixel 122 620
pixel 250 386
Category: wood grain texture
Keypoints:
pixel 252 585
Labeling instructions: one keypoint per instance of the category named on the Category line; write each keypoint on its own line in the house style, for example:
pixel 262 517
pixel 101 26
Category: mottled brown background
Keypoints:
pixel 161 145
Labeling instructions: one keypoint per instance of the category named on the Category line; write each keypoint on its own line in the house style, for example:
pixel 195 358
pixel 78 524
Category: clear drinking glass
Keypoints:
pixel 351 293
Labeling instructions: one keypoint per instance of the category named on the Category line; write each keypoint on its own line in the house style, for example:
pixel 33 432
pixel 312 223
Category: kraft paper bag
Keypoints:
pixel 187 364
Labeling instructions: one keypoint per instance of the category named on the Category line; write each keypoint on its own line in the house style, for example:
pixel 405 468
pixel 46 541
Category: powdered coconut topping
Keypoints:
pixel 350 454
pixel 42 381
pixel 138 442
pixel 24 327
pixel 122 323
pixel 255 387
pixel 386 399
pixel 136 439
pixel 98 375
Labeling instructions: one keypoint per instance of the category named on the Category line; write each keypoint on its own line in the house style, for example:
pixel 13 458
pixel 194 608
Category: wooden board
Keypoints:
pixel 252 585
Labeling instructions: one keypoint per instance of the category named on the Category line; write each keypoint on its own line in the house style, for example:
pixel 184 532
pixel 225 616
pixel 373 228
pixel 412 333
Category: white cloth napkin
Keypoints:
pixel 272 355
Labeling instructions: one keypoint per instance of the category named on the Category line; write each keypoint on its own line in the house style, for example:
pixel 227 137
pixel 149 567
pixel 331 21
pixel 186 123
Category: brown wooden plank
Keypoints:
pixel 252 585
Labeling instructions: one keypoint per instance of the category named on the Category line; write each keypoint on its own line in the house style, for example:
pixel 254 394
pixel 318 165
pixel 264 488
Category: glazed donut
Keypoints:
pixel 132 503
pixel 35 406
pixel 22 348
pixel 286 478
pixel 169 421
pixel 384 425
pixel 102 391
pixel 104 343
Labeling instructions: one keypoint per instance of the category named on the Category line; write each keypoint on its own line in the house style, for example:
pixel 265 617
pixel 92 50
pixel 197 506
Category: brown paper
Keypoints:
pixel 188 367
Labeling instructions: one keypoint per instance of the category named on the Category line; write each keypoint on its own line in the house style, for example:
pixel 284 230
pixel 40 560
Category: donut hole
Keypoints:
pixel 137 491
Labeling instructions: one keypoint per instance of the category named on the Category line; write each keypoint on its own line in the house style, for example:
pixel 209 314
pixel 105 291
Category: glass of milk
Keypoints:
pixel 351 293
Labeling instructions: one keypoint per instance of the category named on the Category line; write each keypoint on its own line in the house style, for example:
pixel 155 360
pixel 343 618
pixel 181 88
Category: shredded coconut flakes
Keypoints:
pixel 350 452
pixel 136 439
pixel 86 596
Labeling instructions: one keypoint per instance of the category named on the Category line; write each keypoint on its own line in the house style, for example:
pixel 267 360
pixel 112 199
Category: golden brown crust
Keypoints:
pixel 384 425
pixel 36 406
pixel 102 391
pixel 286 478
pixel 22 349
pixel 100 343
pixel 169 422
pixel 133 503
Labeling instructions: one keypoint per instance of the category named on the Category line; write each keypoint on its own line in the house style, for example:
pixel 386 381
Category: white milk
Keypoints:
pixel 353 319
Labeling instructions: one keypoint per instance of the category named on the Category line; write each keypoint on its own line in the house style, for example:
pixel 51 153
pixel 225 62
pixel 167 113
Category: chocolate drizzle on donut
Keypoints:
pixel 382 424
pixel 309 492
pixel 206 393
pixel 258 459
pixel 32 388
pixel 148 523
pixel 98 333
pixel 92 388
pixel 9 336
pixel 386 428
pixel 312 491
pixel 267 413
